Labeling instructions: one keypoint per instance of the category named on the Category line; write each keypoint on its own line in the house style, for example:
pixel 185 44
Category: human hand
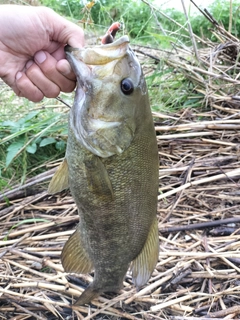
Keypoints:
pixel 32 58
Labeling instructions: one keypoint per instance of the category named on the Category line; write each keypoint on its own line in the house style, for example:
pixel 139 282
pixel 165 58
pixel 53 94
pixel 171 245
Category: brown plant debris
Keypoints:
pixel 198 273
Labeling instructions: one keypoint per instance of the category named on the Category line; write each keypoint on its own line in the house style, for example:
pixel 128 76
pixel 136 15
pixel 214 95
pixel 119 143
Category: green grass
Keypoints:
pixel 30 136
pixel 169 91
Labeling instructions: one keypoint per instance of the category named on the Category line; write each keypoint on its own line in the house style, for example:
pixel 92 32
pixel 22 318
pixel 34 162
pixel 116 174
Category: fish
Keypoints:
pixel 111 167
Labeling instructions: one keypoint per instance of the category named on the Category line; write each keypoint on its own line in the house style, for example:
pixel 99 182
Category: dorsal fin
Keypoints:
pixel 144 264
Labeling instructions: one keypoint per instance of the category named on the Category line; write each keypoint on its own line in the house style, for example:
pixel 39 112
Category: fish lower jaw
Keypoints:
pixel 97 124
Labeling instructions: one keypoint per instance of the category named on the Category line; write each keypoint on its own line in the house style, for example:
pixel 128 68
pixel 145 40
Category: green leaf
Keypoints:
pixel 60 145
pixel 13 150
pixel 161 37
pixel 47 141
pixel 28 117
pixel 9 123
pixel 32 148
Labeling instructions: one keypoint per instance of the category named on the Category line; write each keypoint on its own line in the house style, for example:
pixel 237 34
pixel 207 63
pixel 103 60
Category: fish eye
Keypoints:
pixel 127 86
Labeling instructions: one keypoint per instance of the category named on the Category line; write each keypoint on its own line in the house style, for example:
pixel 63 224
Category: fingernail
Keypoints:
pixel 40 57
pixel 19 75
pixel 28 64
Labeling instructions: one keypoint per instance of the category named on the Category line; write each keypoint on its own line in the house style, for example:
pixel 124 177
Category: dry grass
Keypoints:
pixel 198 273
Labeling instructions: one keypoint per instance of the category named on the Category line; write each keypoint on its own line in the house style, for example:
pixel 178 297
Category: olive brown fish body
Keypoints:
pixel 112 168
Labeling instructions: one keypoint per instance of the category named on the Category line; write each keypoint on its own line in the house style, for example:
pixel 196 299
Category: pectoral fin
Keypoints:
pixel 74 256
pixel 98 179
pixel 59 181
pixel 144 264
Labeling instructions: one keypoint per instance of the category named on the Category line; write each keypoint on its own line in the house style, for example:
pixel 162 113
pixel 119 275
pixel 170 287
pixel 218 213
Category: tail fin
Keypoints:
pixel 88 295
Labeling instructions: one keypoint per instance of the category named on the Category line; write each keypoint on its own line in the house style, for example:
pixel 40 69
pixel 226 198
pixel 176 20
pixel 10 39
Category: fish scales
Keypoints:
pixel 112 170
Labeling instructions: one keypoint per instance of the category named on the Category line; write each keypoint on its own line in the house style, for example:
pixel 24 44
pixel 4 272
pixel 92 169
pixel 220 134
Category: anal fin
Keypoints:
pixel 74 257
pixel 144 264
pixel 59 181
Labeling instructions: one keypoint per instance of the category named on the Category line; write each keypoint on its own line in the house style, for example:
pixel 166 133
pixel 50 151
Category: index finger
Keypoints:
pixel 58 72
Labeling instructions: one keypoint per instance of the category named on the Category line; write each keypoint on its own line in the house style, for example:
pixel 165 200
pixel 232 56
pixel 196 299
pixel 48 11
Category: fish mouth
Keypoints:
pixel 81 70
pixel 87 61
pixel 102 54
pixel 99 133
pixel 84 126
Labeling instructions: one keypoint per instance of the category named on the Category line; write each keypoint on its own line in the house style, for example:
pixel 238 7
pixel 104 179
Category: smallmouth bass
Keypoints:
pixel 111 167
